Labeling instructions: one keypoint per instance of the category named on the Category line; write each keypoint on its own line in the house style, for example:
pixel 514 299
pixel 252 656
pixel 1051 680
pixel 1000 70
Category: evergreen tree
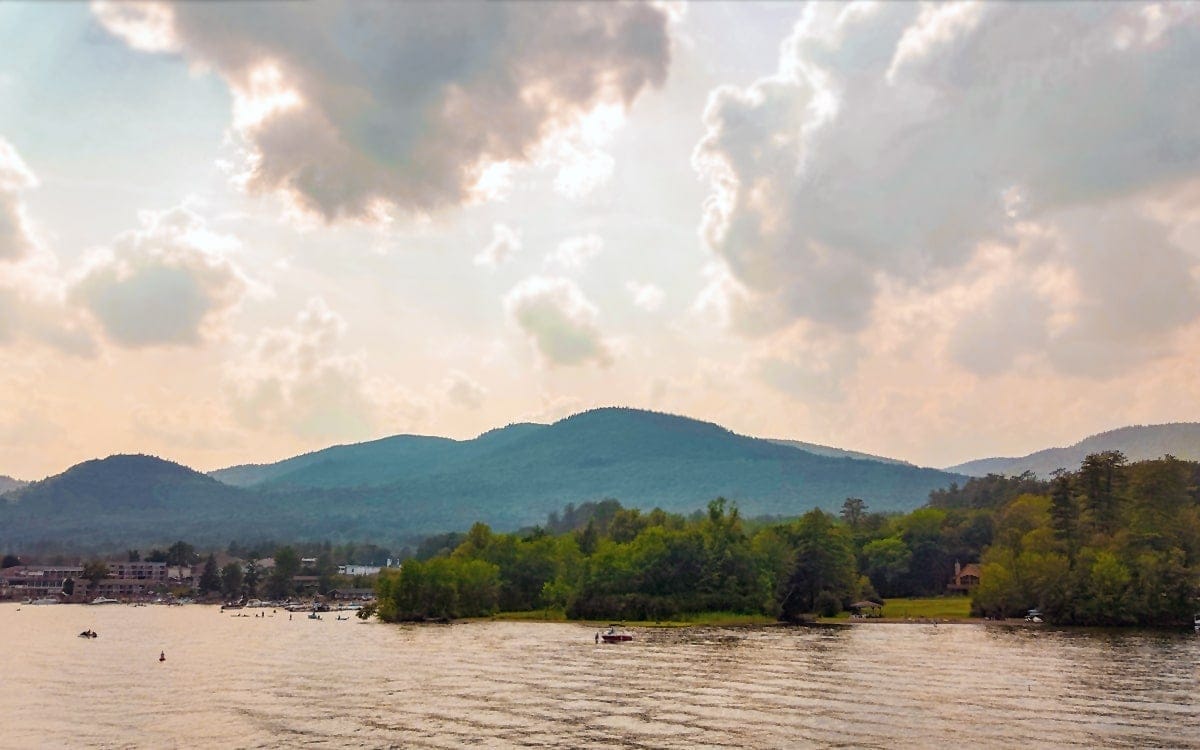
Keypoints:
pixel 1064 512
pixel 1100 478
pixel 210 579
pixel 824 571
pixel 232 581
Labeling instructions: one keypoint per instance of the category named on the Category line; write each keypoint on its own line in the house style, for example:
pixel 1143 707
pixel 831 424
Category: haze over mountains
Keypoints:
pixel 402 487
pixel 1138 443
pixel 408 485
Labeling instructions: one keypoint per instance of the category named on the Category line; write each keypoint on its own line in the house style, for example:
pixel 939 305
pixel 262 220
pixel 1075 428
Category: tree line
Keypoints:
pixel 1111 543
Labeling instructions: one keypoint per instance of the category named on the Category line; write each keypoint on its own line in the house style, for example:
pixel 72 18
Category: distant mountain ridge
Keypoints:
pixel 828 450
pixel 8 483
pixel 407 485
pixel 1137 442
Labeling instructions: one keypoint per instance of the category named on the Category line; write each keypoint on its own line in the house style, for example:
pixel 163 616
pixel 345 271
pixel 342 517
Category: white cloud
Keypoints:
pixel 32 297
pixel 298 380
pixel 559 320
pixel 16 239
pixel 505 243
pixel 574 253
pixel 167 283
pixel 346 107
pixel 646 296
pixel 897 140
pixel 461 391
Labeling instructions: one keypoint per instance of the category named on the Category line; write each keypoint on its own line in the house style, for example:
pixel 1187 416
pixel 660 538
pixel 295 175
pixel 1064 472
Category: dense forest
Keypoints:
pixel 1112 543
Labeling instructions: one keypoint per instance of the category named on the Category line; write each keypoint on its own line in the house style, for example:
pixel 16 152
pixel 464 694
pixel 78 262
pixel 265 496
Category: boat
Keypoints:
pixel 89 634
pixel 612 635
pixel 46 600
pixel 313 616
pixel 104 600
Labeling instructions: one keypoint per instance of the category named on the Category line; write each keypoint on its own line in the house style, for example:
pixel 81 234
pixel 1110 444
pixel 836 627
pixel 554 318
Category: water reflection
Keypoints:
pixel 270 682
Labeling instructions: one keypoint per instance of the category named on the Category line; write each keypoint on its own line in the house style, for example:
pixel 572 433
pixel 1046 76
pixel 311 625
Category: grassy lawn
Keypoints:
pixel 941 607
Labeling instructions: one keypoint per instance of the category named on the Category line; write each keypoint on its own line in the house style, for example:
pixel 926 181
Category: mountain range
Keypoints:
pixel 405 486
pixel 1138 443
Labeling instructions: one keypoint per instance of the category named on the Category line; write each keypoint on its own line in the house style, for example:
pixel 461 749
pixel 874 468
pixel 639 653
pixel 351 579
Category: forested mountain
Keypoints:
pixel 1138 443
pixel 118 499
pixel 8 483
pixel 374 463
pixel 405 486
pixel 828 450
pixel 517 474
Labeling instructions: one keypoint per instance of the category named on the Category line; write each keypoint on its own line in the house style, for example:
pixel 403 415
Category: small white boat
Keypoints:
pixel 104 600
pixel 46 600
pixel 612 635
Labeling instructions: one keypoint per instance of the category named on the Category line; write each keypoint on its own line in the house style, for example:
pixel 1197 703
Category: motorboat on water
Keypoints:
pixel 612 635
pixel 89 634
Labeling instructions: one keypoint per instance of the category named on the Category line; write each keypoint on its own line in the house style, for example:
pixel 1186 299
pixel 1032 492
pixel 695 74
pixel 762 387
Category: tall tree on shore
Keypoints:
pixel 853 512
pixel 824 571
pixel 1064 511
pixel 232 581
pixel 210 579
pixel 1100 478
pixel 279 582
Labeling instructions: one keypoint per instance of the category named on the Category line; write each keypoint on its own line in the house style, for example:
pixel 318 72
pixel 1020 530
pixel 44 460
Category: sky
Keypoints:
pixel 234 232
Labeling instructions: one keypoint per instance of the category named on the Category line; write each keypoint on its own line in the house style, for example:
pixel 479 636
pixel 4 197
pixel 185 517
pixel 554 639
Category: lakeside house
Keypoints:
pixel 966 578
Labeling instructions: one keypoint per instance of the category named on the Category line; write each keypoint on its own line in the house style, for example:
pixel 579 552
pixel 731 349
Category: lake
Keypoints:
pixel 270 682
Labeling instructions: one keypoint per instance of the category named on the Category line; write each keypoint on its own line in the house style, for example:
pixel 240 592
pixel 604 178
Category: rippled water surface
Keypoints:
pixel 270 682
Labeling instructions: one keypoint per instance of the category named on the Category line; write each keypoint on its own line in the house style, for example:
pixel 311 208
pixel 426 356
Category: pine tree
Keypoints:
pixel 210 579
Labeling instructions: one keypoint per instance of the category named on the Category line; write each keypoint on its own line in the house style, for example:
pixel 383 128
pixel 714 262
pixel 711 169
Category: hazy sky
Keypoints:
pixel 233 232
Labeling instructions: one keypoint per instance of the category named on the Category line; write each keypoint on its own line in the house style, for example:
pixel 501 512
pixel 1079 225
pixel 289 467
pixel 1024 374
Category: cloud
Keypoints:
pixel 504 245
pixel 462 391
pixel 16 239
pixel 559 320
pixel 32 297
pixel 898 141
pixel 345 108
pixel 574 253
pixel 297 379
pixel 646 296
pixel 167 283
